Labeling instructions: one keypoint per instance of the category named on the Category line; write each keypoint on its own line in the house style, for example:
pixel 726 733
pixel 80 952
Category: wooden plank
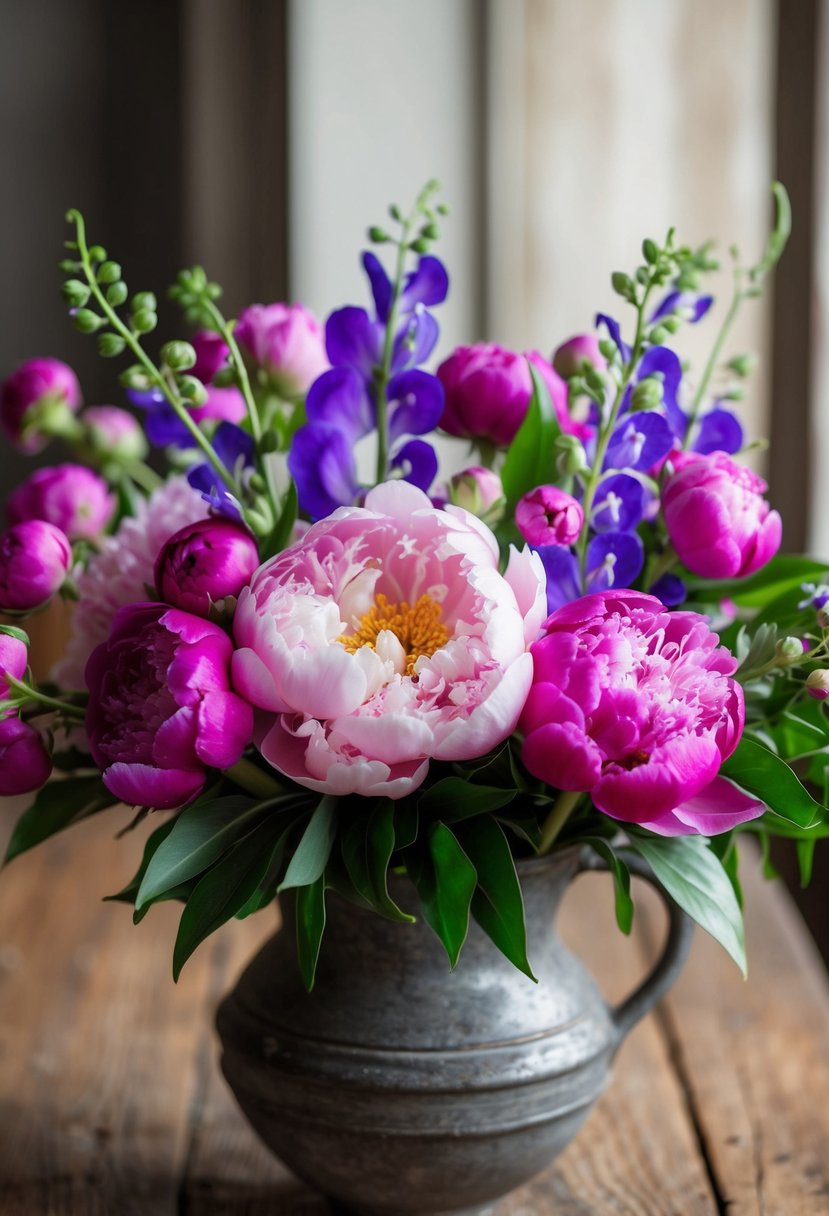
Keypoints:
pixel 754 1058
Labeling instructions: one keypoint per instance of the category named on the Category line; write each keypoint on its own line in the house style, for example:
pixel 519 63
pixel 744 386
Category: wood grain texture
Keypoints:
pixel 111 1099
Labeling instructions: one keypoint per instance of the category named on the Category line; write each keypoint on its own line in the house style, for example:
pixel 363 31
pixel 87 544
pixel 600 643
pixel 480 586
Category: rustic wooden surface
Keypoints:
pixel 111 1103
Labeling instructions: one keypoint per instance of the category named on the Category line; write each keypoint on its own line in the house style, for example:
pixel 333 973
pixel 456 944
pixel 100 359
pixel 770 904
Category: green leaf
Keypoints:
pixel 406 822
pixel 453 799
pixel 529 461
pixel 801 732
pixel 445 880
pixel 14 632
pixel 497 904
pixel 58 805
pixel 201 834
pixel 805 859
pixel 310 925
pixel 759 772
pixel 128 893
pixel 783 574
pixel 367 846
pixel 693 875
pixel 621 880
pixel 283 531
pixel 311 854
pixel 223 890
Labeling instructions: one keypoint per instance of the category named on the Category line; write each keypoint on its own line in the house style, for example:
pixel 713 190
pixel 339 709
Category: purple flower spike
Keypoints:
pixel 417 462
pixel 614 560
pixel 613 328
pixel 619 504
pixel 416 402
pixel 639 441
pixel 340 398
pixel 321 462
pixel 664 362
pixel 562 569
pixel 352 339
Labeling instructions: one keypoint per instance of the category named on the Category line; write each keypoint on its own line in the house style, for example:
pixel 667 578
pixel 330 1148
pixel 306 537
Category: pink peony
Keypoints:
pixel 488 390
pixel 34 559
pixel 287 342
pixel 122 571
pixel 635 706
pixel 14 659
pixel 35 386
pixel 385 638
pixel 161 712
pixel 549 516
pixel 204 562
pixel 70 496
pixel 24 761
pixel 716 516
pixel 480 491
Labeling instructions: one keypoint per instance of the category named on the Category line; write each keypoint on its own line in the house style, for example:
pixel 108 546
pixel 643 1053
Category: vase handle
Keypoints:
pixel 653 987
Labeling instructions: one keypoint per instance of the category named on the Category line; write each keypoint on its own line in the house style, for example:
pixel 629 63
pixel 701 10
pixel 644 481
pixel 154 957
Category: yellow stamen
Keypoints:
pixel 418 628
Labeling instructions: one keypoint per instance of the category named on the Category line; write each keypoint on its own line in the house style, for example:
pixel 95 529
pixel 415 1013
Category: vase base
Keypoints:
pixel 488 1209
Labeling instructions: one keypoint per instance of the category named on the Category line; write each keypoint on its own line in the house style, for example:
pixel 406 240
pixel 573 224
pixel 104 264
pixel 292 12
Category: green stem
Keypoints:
pixel 32 694
pixel 565 804
pixel 152 371
pixel 253 780
pixel 143 475
pixel 716 352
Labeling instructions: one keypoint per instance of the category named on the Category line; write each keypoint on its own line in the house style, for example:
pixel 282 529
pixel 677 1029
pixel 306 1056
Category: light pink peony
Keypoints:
pixel 287 342
pixel 38 386
pixel 385 638
pixel 716 516
pixel 635 706
pixel 70 496
pixel 122 571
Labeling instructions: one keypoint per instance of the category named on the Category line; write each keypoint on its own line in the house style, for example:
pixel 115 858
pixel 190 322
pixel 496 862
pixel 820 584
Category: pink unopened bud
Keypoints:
pixel 205 562
pixel 24 761
pixel 113 433
pixel 817 684
pixel 480 492
pixel 568 358
pixel 70 496
pixel 287 342
pixel 37 386
pixel 549 516
pixel 14 659
pixel 34 559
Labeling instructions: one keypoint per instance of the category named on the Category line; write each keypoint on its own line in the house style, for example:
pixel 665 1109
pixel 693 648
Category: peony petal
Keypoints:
pixel 225 727
pixel 562 755
pixel 255 682
pixel 163 789
pixel 719 807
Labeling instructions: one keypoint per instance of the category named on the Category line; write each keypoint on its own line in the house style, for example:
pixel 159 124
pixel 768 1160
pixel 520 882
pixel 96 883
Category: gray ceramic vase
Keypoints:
pixel 400 1088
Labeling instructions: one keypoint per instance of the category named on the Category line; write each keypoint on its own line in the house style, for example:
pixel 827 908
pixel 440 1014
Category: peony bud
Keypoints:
pixel 480 492
pixel 34 559
pixel 549 516
pixel 287 342
pixel 24 761
pixel 568 358
pixel 14 659
pixel 203 563
pixel 817 684
pixel 114 434
pixel 790 649
pixel 37 401
pixel 70 496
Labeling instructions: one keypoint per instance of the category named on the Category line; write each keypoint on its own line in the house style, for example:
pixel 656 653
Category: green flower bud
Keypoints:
pixel 75 293
pixel 419 246
pixel 116 294
pixel 430 231
pixel 134 377
pixel 672 324
pixel 623 285
pixel 87 321
pixel 790 649
pixel 225 377
pixel 570 456
pixel 97 253
pixel 647 394
pixel 110 345
pixel 144 299
pixel 442 209
pixel 144 321
pixel 67 266
pixel 258 484
pixel 650 251
pixel 607 347
pixel 395 212
pixel 192 389
pixel 110 272
pixel 658 335
pixel 178 355
pixel 742 365
pixel 378 235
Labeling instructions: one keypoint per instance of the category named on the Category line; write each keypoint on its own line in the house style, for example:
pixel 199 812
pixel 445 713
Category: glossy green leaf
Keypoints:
pixel 128 893
pixel 453 799
pixel 445 880
pixel 367 847
pixel 311 854
pixel 497 904
pixel 621 880
pixel 57 806
pixel 406 822
pixel 759 772
pixel 310 926
pixel 201 834
pixel 782 575
pixel 529 461
pixel 694 876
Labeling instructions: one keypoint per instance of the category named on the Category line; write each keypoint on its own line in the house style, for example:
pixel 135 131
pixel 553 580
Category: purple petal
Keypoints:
pixel 162 425
pixel 380 285
pixel 662 361
pixel 205 479
pixel 415 403
pixel 415 341
pixel 340 398
pixel 419 463
pixel 615 332
pixel 619 504
pixel 718 431
pixel 614 559
pixel 321 462
pixel 353 339
pixel 427 285
pixel 670 589
pixel 233 445
pixel 562 570
pixel 697 305
pixel 639 441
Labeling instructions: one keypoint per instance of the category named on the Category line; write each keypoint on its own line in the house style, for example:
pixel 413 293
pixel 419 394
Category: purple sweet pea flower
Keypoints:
pixel 639 441
pixel 688 303
pixel 614 560
pixel 235 449
pixel 25 764
pixel 70 496
pixel 670 589
pixel 619 504
pixel 718 431
pixel 161 711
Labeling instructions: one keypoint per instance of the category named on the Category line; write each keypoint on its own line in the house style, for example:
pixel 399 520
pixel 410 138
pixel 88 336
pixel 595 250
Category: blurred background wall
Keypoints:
pixel 260 137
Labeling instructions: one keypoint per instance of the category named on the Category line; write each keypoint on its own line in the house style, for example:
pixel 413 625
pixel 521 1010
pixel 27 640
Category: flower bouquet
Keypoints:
pixel 389 691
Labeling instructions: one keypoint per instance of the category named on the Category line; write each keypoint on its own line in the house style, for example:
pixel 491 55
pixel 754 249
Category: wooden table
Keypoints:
pixel 111 1102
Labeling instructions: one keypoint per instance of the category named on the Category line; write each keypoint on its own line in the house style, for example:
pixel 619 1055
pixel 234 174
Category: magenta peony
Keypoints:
pixel 34 559
pixel 161 712
pixel 287 342
pixel 70 496
pixel 36 385
pixel 488 390
pixel 204 562
pixel 635 706
pixel 549 516
pixel 385 638
pixel 14 659
pixel 24 761
pixel 716 516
